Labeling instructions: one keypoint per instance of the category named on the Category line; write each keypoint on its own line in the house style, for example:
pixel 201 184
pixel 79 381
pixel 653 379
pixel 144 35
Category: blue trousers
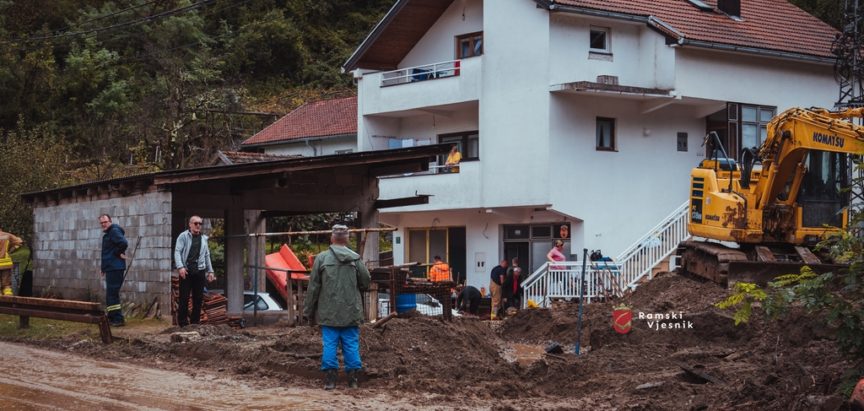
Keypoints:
pixel 113 283
pixel 350 339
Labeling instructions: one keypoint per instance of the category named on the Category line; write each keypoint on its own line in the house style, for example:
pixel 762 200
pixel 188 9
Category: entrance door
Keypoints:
pixel 456 252
pixel 517 249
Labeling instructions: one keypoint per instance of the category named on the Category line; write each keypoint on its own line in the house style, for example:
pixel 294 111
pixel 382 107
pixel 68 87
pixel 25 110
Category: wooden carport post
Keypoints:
pixel 369 242
pixel 255 223
pixel 234 242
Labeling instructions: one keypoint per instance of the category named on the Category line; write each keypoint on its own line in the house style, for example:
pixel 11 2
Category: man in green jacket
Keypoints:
pixel 334 300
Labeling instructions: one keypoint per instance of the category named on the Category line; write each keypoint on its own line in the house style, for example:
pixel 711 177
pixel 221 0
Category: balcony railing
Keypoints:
pixel 421 73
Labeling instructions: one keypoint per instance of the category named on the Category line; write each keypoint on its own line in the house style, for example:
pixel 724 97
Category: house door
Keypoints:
pixel 518 250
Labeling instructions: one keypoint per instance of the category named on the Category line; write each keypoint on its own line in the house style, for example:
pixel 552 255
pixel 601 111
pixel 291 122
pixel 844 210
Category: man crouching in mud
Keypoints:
pixel 334 301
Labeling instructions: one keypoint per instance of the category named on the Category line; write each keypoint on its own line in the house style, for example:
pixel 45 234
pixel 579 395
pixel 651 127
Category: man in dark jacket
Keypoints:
pixel 334 300
pixel 469 300
pixel 114 246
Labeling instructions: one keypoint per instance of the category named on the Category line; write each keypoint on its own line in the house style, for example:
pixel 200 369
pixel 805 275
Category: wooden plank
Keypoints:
pixel 54 315
pixel 50 302
pixel 765 254
pixel 289 301
pixel 807 256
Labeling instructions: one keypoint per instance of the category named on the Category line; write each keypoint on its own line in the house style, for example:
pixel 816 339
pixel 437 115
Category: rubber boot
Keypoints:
pixel 352 379
pixel 330 379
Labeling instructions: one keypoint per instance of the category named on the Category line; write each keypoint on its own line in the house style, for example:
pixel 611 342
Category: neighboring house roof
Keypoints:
pixel 243 157
pixel 765 25
pixel 775 25
pixel 325 118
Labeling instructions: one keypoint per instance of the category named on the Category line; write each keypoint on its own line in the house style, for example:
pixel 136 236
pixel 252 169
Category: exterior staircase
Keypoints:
pixel 646 257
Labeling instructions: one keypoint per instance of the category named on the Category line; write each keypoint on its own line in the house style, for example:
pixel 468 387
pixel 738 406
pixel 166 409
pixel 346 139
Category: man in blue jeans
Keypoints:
pixel 334 300
pixel 114 246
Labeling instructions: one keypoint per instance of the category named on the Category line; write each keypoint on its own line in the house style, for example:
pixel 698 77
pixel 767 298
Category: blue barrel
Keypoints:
pixel 405 302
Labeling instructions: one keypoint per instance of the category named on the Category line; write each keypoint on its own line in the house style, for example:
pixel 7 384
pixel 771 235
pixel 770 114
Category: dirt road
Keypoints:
pixel 42 379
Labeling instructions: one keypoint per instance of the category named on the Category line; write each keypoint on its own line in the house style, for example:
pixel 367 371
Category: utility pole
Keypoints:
pixel 849 71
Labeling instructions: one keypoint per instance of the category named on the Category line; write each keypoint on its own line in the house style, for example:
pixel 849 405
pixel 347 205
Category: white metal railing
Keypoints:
pixel 642 256
pixel 563 280
pixel 609 278
pixel 421 73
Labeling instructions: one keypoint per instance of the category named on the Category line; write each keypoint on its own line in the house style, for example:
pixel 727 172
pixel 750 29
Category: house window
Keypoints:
pixel 747 126
pixel 469 45
pixel 468 143
pixel 599 40
pixel 605 134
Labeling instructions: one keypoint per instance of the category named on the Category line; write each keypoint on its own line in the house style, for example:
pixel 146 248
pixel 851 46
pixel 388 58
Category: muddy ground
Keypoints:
pixel 468 363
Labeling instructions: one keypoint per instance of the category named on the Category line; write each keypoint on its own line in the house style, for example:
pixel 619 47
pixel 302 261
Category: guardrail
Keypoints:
pixel 64 310
pixel 421 73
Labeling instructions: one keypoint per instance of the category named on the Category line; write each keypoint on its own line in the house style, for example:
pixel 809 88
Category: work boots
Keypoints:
pixel 352 379
pixel 330 379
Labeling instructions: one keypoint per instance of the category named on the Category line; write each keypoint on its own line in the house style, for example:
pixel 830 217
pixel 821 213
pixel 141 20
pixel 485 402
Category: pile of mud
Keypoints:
pixel 704 361
pixel 792 363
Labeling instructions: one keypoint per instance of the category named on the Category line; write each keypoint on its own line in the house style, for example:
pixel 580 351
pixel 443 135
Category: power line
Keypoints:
pixel 105 16
pixel 118 25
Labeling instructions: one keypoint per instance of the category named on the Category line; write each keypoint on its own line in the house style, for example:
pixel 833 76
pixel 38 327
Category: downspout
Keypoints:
pixel 314 150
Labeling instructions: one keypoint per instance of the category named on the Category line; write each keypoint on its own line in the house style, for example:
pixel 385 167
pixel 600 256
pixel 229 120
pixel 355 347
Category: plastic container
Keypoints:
pixel 405 302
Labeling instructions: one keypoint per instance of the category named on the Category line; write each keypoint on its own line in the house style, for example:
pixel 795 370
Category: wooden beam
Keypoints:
pixel 394 169
pixel 401 202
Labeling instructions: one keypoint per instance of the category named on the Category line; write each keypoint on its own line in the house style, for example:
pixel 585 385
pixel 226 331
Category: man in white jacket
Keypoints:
pixel 192 260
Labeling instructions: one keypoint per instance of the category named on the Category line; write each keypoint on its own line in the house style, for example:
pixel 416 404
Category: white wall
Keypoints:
pixel 755 80
pixel 514 107
pixel 439 43
pixel 313 148
pixel 620 194
pixel 639 56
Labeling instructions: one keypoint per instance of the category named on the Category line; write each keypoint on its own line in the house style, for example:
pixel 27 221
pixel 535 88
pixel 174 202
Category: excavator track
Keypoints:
pixel 727 266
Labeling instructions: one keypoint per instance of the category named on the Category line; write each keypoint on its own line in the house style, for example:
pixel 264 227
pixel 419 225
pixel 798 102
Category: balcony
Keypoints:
pixel 419 87
pixel 449 190
pixel 421 73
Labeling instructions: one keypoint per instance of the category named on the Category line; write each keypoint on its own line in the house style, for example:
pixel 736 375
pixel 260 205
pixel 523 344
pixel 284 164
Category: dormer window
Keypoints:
pixel 469 45
pixel 600 40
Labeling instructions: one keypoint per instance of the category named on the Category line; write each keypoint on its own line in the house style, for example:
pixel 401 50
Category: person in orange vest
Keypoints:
pixel 439 271
pixel 856 402
pixel 8 242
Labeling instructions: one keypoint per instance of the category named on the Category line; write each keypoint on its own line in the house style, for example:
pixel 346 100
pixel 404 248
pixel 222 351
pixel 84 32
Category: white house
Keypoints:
pixel 584 113
pixel 314 129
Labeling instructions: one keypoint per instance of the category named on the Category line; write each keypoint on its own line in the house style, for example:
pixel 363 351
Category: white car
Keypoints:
pixel 264 301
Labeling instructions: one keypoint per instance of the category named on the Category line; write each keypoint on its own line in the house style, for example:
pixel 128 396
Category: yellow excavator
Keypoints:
pixel 761 217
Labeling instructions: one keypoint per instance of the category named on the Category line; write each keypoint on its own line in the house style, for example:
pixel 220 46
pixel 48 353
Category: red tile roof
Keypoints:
pixel 765 24
pixel 325 118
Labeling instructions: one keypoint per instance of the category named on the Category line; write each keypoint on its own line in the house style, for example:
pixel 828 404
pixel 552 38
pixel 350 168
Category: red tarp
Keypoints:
pixel 284 259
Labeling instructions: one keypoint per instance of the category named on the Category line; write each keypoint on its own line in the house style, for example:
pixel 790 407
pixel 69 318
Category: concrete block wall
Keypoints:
pixel 68 242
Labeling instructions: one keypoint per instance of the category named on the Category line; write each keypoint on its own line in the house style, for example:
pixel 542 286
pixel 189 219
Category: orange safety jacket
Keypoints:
pixel 439 272
pixel 7 240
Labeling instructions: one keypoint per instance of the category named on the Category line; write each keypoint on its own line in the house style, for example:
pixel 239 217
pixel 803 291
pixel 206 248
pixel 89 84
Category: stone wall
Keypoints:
pixel 68 242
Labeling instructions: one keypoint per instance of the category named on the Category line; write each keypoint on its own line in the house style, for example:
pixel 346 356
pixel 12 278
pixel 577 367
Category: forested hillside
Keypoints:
pixel 93 89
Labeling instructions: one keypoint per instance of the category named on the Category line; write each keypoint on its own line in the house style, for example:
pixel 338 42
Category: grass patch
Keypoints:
pixel 42 328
